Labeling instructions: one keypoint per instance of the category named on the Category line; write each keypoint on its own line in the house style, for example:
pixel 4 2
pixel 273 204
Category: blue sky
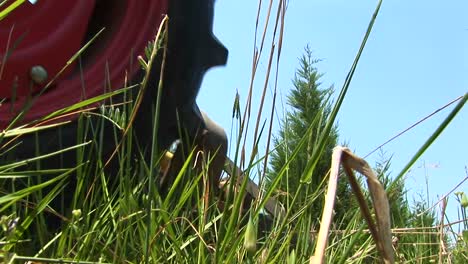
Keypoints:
pixel 416 60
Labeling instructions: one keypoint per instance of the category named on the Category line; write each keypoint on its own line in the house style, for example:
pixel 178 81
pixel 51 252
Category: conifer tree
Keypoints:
pixel 308 104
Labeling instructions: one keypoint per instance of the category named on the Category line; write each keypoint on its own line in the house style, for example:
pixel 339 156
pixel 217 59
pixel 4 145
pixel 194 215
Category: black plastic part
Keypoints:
pixel 192 50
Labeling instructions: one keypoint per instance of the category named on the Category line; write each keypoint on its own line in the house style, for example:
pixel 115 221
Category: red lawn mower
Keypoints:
pixel 39 38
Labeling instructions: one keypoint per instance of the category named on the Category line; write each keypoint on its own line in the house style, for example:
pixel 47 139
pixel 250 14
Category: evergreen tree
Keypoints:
pixel 308 103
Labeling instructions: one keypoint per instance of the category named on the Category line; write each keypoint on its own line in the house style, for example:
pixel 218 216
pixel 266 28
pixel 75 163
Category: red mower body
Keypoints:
pixel 38 44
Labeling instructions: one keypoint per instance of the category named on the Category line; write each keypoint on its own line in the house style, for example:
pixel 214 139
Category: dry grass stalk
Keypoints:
pixel 442 247
pixel 380 230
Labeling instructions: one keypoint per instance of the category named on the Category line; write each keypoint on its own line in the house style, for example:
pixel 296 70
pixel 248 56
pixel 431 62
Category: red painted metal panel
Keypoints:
pixel 59 29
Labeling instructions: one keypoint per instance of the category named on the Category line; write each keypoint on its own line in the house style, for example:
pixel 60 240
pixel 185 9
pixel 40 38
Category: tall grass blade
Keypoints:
pixel 164 30
pixel 4 13
pixel 430 140
pixel 317 152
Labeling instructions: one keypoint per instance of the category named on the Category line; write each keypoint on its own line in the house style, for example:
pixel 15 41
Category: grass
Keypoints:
pixel 119 215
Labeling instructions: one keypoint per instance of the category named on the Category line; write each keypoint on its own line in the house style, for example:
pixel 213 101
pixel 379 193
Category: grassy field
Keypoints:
pixel 115 212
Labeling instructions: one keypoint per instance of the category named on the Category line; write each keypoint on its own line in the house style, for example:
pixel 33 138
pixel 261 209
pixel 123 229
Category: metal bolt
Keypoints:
pixel 38 74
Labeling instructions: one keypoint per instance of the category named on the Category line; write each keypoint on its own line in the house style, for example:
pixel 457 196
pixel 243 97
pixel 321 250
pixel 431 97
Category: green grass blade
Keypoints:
pixel 86 102
pixel 431 139
pixel 12 197
pixel 10 8
pixel 307 176
pixel 28 161
pixel 27 130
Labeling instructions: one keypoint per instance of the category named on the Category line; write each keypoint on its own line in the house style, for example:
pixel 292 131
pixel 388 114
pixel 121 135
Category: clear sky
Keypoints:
pixel 416 61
